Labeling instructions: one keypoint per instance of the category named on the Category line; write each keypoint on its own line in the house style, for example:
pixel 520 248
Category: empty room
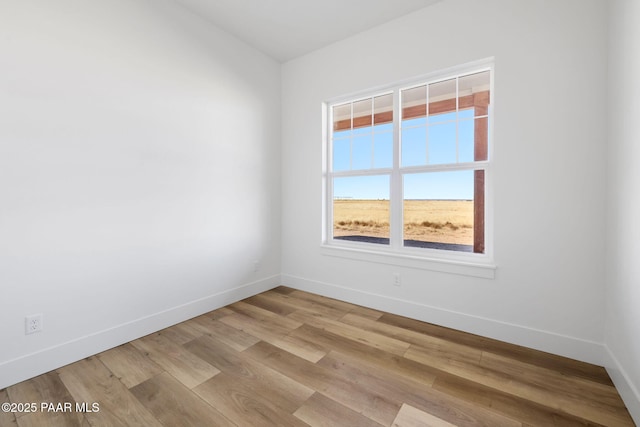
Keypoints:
pixel 325 213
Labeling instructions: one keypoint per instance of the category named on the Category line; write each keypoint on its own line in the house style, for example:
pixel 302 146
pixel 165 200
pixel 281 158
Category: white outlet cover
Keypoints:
pixel 33 324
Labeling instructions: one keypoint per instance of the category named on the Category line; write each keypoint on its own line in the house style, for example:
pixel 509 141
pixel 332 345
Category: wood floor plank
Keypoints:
pixel 372 339
pixel 220 313
pixel 413 417
pixel 524 354
pixel 6 418
pixel 304 347
pixel 345 307
pixel 320 411
pixel 271 304
pixel 282 390
pixel 434 402
pixel 525 411
pixel 265 316
pixel 187 368
pixel 365 312
pixel 587 399
pixel 313 303
pixel 231 336
pixel 240 402
pixel 263 330
pixel 45 388
pixel 181 333
pixel 444 348
pixel 518 386
pixel 129 365
pixel 52 419
pixel 175 405
pixel 372 357
pixel 90 381
pixel 282 290
pixel 297 303
pixel 404 334
pixel 352 394
pixel 591 390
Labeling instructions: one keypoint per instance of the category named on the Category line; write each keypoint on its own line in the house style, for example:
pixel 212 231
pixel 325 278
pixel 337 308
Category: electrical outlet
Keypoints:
pixel 256 265
pixel 396 279
pixel 33 324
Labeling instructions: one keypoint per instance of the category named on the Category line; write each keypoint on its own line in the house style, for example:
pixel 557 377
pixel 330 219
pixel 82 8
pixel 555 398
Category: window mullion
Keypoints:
pixel 328 180
pixel 373 132
pixel 351 141
pixel 457 119
pixel 395 226
pixel 426 125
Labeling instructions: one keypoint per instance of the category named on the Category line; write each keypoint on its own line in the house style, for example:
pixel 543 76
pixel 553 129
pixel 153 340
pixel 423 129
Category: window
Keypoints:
pixel 407 167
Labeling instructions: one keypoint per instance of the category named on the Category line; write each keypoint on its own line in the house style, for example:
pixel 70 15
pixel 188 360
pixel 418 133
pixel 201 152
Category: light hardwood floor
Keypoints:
pixel 290 358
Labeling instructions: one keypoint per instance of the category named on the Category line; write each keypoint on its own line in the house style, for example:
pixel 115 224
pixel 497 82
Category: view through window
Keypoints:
pixel 408 166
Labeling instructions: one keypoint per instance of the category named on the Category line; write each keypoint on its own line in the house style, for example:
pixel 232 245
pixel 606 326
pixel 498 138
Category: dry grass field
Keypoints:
pixel 441 221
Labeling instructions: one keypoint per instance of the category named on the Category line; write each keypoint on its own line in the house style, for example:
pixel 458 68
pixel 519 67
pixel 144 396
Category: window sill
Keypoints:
pixel 483 270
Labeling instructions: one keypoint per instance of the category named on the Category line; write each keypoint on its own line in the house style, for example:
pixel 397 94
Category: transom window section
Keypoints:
pixel 408 167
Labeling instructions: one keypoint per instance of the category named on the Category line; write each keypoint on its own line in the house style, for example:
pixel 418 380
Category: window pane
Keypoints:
pixel 383 149
pixel 341 154
pixel 465 141
pixel 442 118
pixel 362 151
pixel 442 97
pixel 362 111
pixel 414 146
pixel 439 210
pixel 442 143
pixel 413 133
pixel 420 121
pixel 481 138
pixel 383 109
pixel 414 102
pixel 465 114
pixel 387 127
pixel 361 209
pixel 343 134
pixel 341 117
pixel 473 140
pixel 473 91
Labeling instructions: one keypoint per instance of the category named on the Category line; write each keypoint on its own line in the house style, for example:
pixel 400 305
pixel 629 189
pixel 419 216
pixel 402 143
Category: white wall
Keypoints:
pixel 550 80
pixel 139 174
pixel 622 335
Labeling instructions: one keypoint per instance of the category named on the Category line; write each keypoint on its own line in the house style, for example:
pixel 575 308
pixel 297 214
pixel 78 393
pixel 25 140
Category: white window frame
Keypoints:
pixel 471 264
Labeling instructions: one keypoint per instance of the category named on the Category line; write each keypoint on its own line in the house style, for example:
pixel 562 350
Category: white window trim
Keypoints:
pixel 469 264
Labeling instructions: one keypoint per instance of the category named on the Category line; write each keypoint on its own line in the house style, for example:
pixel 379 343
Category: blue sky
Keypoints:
pixel 369 147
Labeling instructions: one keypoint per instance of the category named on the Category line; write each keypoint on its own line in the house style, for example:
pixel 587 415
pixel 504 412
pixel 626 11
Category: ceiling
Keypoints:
pixel 286 29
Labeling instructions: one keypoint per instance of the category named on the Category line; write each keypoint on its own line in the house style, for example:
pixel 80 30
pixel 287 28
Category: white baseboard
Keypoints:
pixel 628 391
pixel 575 348
pixel 31 365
